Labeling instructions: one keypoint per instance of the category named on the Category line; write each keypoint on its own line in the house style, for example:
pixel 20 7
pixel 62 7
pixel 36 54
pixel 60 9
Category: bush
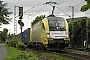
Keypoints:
pixel 0 41
pixel 21 45
pixel 23 55
pixel 11 43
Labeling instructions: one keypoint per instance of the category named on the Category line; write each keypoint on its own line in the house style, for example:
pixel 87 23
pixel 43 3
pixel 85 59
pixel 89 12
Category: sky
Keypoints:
pixel 33 8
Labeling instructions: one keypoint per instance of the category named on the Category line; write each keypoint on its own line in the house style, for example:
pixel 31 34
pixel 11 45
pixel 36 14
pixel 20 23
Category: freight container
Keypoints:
pixel 26 36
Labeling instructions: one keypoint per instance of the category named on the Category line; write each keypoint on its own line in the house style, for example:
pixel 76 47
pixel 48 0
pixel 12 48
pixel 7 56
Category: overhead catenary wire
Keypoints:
pixel 69 9
pixel 63 11
pixel 29 9
pixel 79 3
pixel 75 5
pixel 32 7
pixel 36 14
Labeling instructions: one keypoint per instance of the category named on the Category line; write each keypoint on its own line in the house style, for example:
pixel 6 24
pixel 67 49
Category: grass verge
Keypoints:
pixel 15 54
pixel 12 52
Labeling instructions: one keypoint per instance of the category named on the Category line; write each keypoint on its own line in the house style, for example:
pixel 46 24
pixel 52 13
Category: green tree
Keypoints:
pixel 4 13
pixel 3 35
pixel 11 36
pixel 77 33
pixel 38 18
pixel 89 30
pixel 5 31
pixel 86 7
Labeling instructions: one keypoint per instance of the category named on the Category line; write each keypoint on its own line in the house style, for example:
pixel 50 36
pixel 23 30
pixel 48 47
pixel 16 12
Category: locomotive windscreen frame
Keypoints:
pixel 56 24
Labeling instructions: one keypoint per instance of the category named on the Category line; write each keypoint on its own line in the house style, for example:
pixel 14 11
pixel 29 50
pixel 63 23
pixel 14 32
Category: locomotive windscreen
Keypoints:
pixel 56 23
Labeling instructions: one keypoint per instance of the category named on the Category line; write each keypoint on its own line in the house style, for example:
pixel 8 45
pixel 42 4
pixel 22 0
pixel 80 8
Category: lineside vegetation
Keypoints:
pixel 15 54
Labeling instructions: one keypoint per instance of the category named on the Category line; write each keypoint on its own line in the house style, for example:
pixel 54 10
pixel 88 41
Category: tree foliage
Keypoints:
pixel 78 32
pixel 38 18
pixel 4 13
pixel 3 35
pixel 86 7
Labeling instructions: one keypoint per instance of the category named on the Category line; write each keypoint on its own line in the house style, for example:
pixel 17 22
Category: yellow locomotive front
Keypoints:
pixel 56 34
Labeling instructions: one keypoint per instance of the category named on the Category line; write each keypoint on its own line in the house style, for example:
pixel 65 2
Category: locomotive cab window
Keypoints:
pixel 56 24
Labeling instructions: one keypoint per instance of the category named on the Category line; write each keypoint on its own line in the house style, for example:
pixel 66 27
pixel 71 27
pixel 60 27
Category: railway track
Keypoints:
pixel 76 54
pixel 72 55
pixel 69 54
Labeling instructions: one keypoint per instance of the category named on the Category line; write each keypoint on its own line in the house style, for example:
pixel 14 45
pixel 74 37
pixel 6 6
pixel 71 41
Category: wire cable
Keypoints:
pixel 63 11
pixel 75 5
pixel 79 3
pixel 69 9
pixel 32 7
pixel 29 9
pixel 35 15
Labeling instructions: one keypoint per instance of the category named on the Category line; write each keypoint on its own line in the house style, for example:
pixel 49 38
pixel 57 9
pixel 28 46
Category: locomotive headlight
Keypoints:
pixel 66 34
pixel 48 35
pixel 57 27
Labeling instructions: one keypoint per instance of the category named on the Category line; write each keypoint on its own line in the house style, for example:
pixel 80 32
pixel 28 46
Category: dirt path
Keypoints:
pixel 3 51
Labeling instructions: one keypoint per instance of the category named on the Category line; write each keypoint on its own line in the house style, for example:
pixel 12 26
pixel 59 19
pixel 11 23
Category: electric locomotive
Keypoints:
pixel 51 33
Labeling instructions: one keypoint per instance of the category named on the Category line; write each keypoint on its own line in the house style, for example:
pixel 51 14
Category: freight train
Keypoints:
pixel 50 33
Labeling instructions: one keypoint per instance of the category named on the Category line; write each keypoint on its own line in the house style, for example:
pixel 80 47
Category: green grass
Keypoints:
pixel 15 54
pixel 12 52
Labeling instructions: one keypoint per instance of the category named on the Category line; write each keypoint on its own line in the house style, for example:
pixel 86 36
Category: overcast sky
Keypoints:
pixel 36 8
